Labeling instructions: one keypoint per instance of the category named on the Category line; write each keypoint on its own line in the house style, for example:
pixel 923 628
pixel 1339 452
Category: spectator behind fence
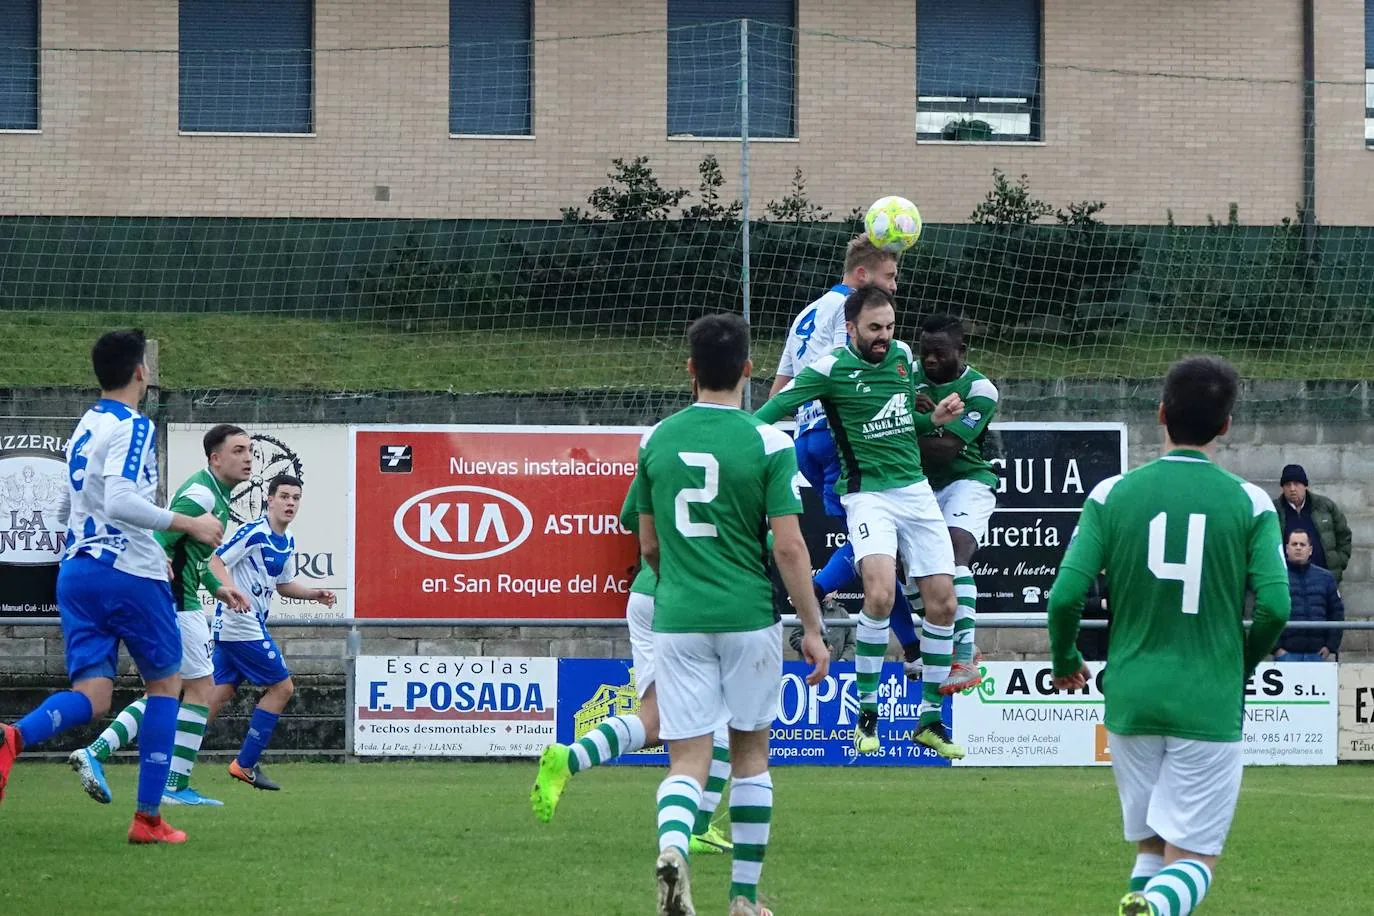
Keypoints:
pixel 1302 510
pixel 1315 597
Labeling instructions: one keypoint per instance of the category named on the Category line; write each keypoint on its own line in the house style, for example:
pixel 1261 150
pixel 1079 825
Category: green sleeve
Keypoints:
pixel 923 423
pixel 1080 566
pixel 808 386
pixel 207 579
pixel 629 512
pixel 975 419
pixel 183 504
pixel 643 503
pixel 1267 576
pixel 782 494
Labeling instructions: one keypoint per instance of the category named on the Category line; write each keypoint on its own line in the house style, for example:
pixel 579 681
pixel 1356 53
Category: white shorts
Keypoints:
pixel 1180 789
pixel 967 504
pixel 710 680
pixel 639 617
pixel 197 646
pixel 905 520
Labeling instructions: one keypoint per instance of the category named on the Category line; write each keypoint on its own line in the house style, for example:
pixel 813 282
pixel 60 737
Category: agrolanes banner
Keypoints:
pixel 481 521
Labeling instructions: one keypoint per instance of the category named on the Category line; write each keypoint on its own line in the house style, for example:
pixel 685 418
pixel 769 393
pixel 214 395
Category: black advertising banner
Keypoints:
pixel 1046 470
pixel 33 485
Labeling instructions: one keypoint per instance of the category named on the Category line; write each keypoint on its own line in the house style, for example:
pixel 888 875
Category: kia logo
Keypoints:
pixel 462 523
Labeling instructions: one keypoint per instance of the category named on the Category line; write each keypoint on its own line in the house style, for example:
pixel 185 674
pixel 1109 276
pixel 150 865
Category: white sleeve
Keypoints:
pixel 124 505
pixel 127 449
pixel 236 548
pixel 839 334
pixel 786 365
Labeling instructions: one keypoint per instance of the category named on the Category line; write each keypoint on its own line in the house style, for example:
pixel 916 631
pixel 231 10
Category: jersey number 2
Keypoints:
pixel 1189 572
pixel 682 505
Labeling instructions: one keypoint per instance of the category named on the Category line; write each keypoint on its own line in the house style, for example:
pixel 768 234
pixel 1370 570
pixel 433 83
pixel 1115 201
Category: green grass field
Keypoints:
pixel 274 351
pixel 459 838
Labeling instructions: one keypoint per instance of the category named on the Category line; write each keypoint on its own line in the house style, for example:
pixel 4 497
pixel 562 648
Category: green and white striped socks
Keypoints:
pixel 1179 888
pixel 121 732
pixel 678 800
pixel 191 721
pixel 617 735
pixel 966 593
pixel 751 813
pixel 937 649
pixel 870 646
pixel 715 782
pixel 1147 865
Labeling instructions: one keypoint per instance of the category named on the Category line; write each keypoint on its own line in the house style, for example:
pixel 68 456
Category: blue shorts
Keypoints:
pixel 819 463
pixel 257 661
pixel 101 607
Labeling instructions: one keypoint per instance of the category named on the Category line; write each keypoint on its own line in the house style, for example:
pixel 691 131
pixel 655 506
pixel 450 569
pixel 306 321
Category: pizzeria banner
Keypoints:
pixel 482 521
pixel 33 533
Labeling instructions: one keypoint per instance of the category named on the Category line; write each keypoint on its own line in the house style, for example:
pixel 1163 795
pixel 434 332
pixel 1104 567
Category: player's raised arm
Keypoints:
pixel 1080 566
pixel 811 384
pixel 1267 577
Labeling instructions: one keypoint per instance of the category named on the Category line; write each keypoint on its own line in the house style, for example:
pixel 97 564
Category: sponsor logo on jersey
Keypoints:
pixel 894 417
pixel 463 522
pixel 972 418
pixel 396 459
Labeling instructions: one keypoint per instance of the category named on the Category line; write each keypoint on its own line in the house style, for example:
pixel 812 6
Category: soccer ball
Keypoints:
pixel 893 224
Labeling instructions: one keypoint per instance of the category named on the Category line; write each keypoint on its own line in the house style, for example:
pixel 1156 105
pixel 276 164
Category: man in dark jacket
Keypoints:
pixel 1301 509
pixel 1315 597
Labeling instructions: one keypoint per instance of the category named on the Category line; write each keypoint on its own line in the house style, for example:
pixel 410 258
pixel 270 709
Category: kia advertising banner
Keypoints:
pixel 1017 718
pixel 481 521
pixel 815 725
pixel 33 533
pixel 314 453
pixel 447 706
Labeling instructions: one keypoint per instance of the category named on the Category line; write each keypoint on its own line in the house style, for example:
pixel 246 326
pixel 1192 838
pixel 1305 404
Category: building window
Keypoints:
pixel 18 64
pixel 704 72
pixel 490 63
pixel 978 70
pixel 1369 72
pixel 246 66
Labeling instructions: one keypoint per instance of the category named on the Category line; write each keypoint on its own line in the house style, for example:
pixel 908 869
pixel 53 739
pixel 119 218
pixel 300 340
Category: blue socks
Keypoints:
pixel 259 735
pixel 838 571
pixel 58 713
pixel 155 741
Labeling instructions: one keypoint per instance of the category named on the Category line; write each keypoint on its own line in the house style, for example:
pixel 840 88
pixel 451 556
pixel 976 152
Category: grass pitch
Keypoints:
pixel 459 838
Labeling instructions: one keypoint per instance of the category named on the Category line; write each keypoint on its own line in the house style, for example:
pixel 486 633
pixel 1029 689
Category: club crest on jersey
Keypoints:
pixel 901 369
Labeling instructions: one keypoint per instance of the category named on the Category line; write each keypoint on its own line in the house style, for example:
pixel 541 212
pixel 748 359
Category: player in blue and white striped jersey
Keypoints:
pixel 112 584
pixel 260 558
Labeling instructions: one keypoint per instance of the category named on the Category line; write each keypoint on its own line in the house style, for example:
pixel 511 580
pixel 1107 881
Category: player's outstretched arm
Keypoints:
pixel 794 566
pixel 808 386
pixel 302 592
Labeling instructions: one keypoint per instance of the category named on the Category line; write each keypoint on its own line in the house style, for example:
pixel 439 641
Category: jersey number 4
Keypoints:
pixel 1189 572
pixel 682 505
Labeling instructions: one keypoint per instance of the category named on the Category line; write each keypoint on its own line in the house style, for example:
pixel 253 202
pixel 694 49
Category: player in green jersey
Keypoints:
pixel 964 482
pixel 866 389
pixel 1181 541
pixel 229 462
pixel 714 481
pixel 628 733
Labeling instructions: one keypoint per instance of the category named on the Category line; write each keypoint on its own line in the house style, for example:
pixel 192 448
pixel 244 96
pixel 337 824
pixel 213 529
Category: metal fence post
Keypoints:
pixel 353 645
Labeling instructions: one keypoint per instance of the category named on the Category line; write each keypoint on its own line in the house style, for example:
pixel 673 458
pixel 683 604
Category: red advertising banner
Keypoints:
pixel 480 521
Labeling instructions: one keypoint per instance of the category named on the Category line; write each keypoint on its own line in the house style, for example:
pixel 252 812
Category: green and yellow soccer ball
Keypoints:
pixel 893 224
